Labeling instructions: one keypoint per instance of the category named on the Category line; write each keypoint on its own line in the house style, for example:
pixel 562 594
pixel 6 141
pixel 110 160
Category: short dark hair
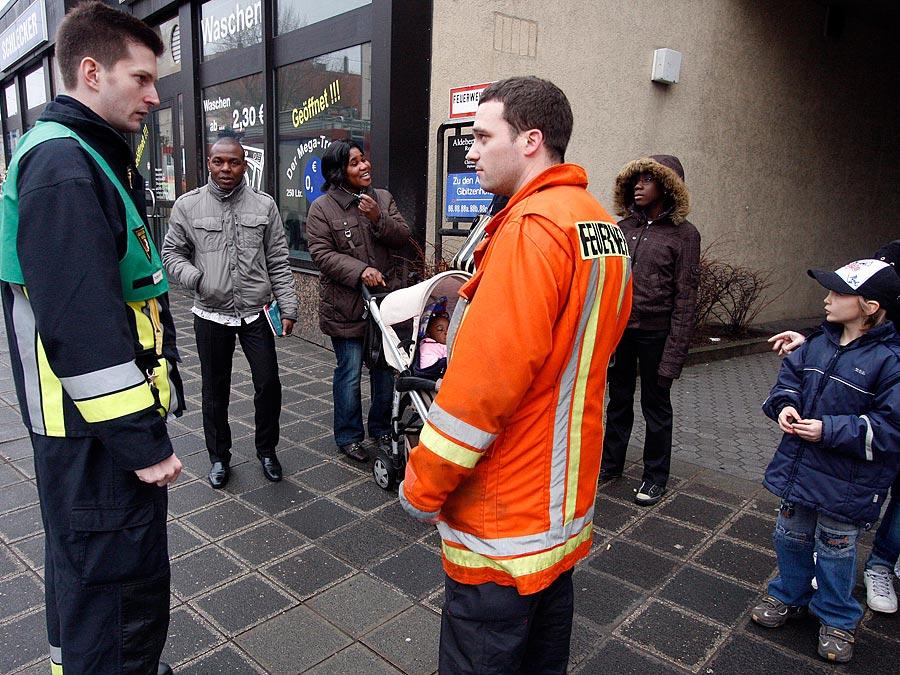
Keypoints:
pixel 227 140
pixel 532 103
pixel 102 33
pixel 335 161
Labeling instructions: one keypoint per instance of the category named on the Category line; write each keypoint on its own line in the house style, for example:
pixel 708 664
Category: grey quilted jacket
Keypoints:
pixel 232 253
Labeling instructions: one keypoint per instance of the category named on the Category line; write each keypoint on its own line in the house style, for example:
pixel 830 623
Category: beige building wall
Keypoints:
pixel 789 139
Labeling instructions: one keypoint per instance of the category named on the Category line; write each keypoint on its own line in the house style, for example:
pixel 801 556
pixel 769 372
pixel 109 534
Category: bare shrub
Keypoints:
pixel 731 296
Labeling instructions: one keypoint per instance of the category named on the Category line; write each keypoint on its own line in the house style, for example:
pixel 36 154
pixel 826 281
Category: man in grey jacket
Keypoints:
pixel 226 242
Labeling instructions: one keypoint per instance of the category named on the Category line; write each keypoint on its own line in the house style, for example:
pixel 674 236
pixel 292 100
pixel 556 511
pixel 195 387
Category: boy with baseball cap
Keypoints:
pixel 837 400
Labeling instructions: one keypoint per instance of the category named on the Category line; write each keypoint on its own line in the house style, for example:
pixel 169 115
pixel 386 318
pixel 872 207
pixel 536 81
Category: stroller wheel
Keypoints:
pixel 384 471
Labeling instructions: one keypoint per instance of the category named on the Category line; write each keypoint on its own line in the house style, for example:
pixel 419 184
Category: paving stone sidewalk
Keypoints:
pixel 324 573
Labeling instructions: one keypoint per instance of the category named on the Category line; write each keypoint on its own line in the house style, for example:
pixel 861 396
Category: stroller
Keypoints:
pixel 406 312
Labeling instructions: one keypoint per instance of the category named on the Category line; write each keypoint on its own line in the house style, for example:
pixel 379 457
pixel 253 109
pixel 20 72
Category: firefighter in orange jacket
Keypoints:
pixel 508 458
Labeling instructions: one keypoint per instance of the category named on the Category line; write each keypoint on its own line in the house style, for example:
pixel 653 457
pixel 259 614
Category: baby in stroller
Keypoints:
pixel 414 323
pixel 433 348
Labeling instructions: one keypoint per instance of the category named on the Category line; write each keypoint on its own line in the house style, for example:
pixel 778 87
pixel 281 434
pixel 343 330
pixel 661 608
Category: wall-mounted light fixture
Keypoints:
pixel 666 66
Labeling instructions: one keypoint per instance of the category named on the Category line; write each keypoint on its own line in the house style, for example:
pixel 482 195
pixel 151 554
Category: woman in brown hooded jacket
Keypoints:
pixel 665 255
pixel 352 229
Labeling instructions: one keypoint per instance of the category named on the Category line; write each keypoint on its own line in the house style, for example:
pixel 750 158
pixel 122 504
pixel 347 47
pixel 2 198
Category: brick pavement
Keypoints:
pixel 323 573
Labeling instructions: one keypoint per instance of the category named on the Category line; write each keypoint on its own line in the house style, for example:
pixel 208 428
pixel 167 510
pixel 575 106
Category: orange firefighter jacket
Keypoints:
pixel 509 455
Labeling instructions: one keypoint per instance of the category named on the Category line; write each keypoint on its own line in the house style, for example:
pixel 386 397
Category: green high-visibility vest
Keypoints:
pixel 140 269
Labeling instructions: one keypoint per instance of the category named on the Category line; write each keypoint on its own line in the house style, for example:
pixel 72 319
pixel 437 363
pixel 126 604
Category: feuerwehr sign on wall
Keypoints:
pixel 27 32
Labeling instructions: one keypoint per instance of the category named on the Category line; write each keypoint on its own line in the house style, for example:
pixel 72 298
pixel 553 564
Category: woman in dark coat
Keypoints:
pixel 665 252
pixel 352 229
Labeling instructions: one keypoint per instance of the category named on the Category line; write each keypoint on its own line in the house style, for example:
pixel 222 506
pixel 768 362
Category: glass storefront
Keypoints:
pixel 155 157
pixel 237 108
pixel 284 77
pixel 319 100
pixel 229 24
pixel 294 14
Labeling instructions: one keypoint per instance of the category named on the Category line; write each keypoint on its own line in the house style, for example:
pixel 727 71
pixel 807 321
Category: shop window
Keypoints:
pixel 229 24
pixel 170 61
pixel 236 108
pixel 35 88
pixel 294 14
pixel 319 100
pixel 12 100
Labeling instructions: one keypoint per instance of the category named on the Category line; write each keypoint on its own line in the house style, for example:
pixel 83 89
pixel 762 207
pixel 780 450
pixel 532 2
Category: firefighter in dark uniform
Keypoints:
pixel 93 352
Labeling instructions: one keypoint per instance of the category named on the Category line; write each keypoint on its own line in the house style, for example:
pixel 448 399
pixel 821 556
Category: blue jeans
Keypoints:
pixel 886 547
pixel 798 532
pixel 345 390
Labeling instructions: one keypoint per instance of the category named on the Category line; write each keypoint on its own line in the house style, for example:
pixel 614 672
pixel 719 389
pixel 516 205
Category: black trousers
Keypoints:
pixel 488 628
pixel 106 574
pixel 638 351
pixel 215 347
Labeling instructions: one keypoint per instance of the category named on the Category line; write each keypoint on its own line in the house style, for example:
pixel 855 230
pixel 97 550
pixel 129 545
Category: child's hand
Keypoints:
pixel 809 430
pixel 786 342
pixel 786 419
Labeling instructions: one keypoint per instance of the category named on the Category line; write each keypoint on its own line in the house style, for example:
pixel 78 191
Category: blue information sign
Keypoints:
pixel 465 198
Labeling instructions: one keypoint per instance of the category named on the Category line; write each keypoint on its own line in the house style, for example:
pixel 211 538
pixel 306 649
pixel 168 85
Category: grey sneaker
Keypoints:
pixel 880 595
pixel 648 494
pixel 835 644
pixel 773 613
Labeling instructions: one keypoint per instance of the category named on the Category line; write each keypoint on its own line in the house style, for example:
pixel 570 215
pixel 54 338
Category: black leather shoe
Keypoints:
pixel 607 476
pixel 354 451
pixel 218 475
pixel 271 468
pixel 163 669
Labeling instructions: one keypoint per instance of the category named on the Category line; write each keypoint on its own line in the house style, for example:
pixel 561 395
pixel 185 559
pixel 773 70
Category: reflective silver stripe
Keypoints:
pixel 559 459
pixel 173 392
pixel 459 430
pixel 412 510
pixel 793 391
pixel 56 654
pixel 852 386
pixel 26 341
pixel 814 370
pixel 455 322
pixel 104 381
pixel 522 545
pixel 869 435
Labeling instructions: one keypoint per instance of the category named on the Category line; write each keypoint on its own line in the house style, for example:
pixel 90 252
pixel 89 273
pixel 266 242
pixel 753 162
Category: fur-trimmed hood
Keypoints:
pixel 667 170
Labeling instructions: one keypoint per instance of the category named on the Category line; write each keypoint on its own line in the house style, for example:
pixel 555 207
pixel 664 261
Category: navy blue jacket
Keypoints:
pixel 855 391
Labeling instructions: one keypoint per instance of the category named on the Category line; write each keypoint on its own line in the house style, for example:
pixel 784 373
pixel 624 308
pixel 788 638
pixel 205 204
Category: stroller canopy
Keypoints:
pixel 409 304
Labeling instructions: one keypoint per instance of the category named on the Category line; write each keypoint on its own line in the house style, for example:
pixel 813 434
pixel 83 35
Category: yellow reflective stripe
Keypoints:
pixel 56 668
pixel 626 275
pixel 51 395
pixel 446 449
pixel 519 566
pixel 462 431
pixel 113 406
pixel 163 386
pixel 145 332
pixel 156 322
pixel 578 397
